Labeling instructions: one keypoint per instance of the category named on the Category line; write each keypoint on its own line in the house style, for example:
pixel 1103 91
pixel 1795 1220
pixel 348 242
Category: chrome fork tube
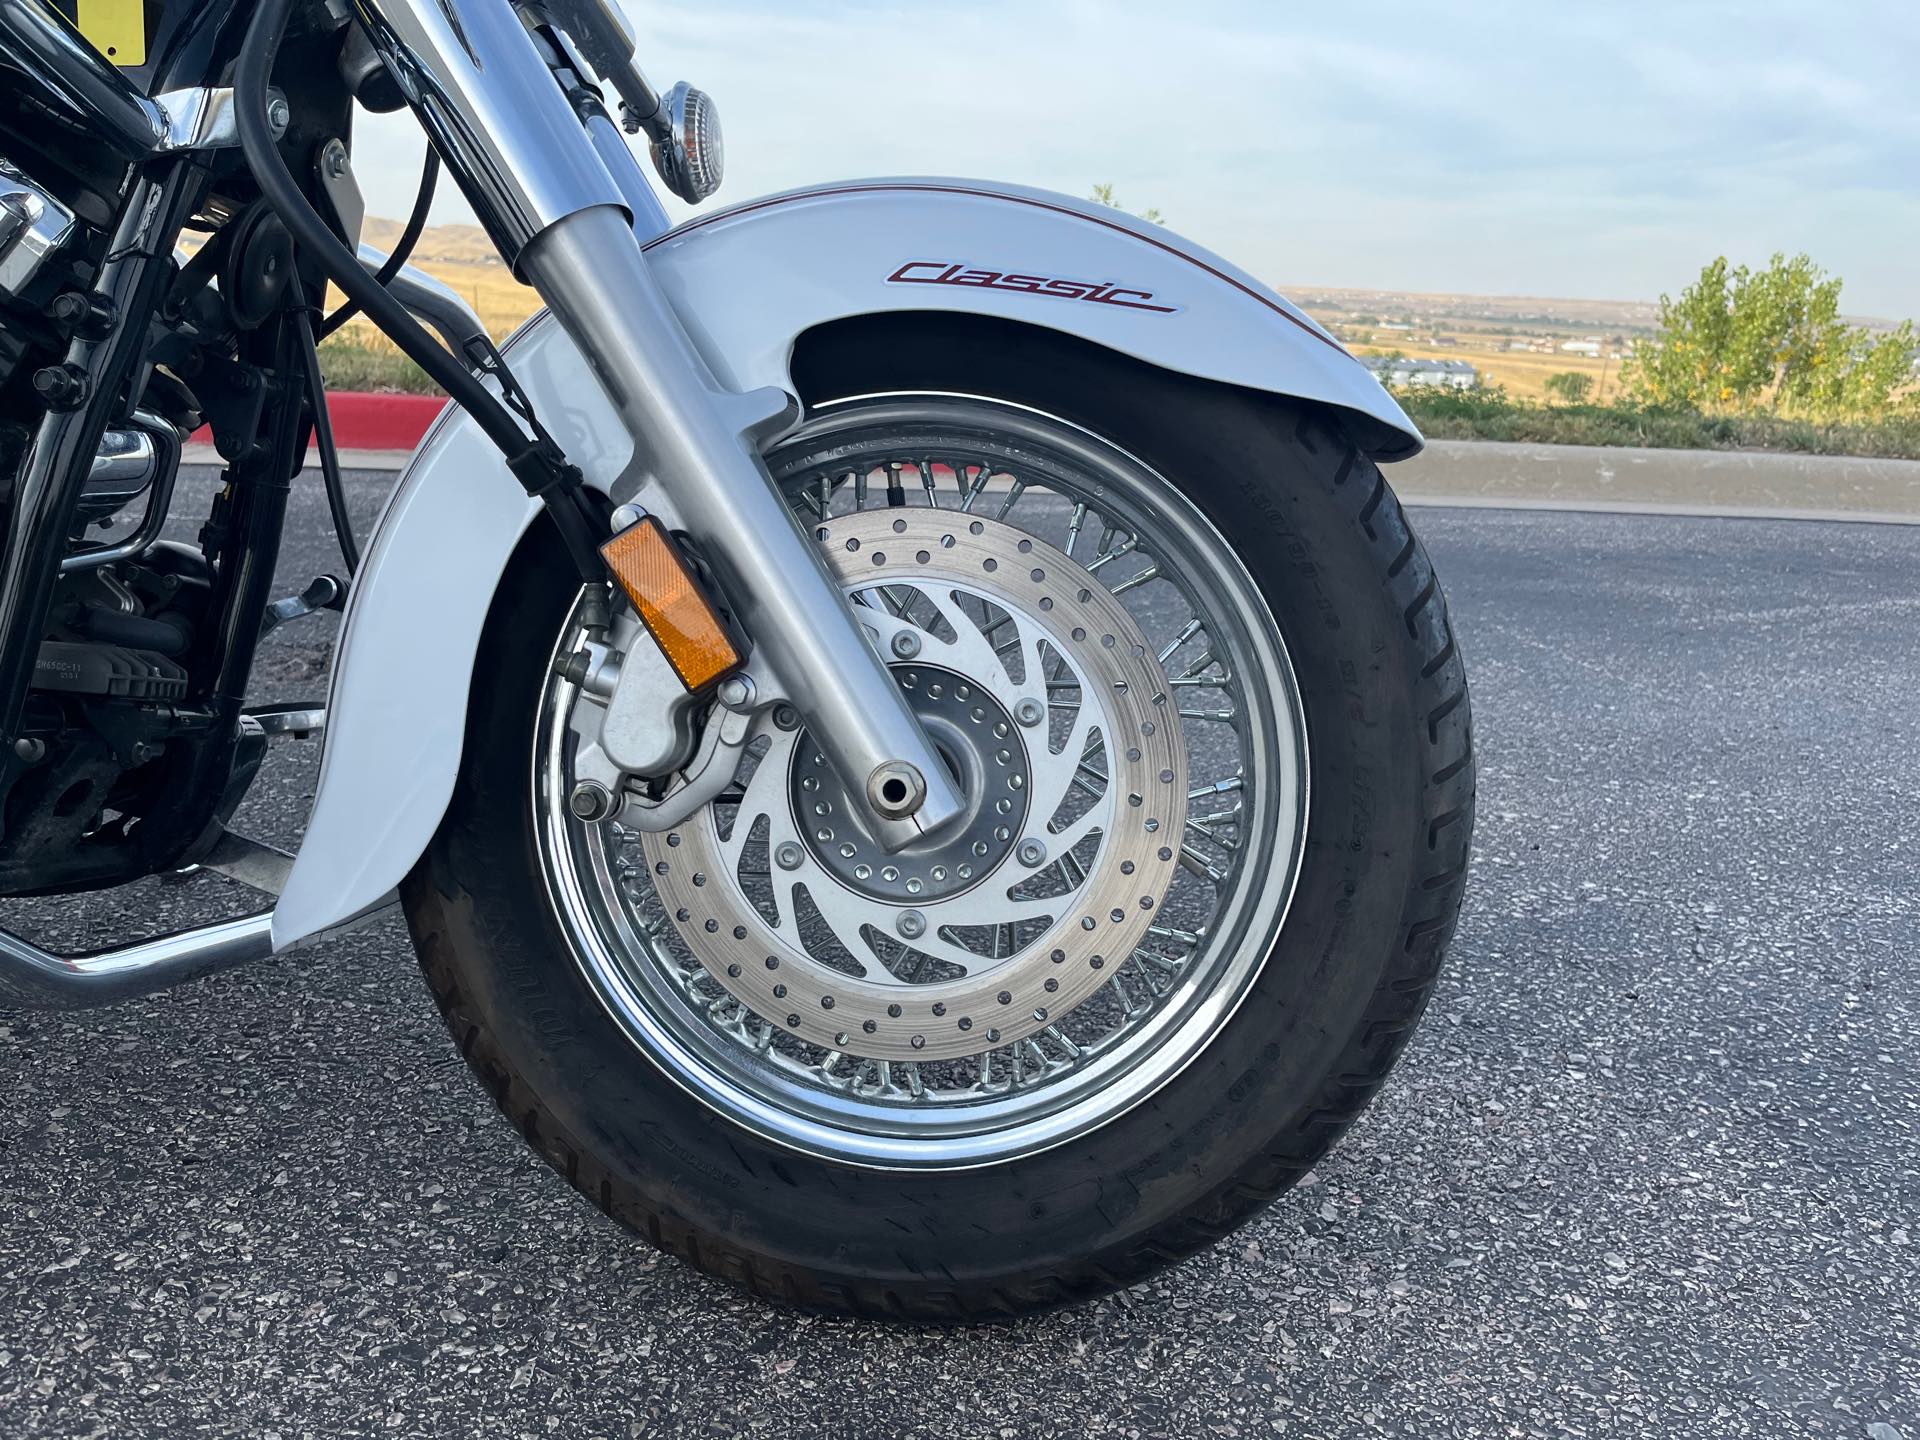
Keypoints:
pixel 489 102
pixel 699 444
pixel 562 221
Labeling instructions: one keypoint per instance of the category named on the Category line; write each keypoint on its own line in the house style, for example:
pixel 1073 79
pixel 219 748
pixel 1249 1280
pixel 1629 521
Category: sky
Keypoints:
pixel 1579 148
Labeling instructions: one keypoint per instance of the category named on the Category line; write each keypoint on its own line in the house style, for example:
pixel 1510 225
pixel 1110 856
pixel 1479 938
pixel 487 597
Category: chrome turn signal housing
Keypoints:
pixel 691 158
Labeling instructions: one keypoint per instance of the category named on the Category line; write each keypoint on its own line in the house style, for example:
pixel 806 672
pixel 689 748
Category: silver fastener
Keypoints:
pixel 1032 853
pixel 896 790
pixel 590 801
pixel 911 924
pixel 906 644
pixel 736 692
pixel 787 856
pixel 1029 711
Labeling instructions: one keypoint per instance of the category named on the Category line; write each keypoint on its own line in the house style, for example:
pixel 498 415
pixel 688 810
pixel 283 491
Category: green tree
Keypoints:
pixel 1570 386
pixel 1103 195
pixel 1772 341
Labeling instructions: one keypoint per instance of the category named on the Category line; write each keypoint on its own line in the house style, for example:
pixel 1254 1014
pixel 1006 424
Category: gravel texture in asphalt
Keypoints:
pixel 1649 1168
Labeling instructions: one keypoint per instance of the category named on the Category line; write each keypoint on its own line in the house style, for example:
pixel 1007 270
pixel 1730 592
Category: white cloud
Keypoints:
pixel 1507 146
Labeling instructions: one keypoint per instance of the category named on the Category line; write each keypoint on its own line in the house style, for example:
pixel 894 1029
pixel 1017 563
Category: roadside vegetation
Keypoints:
pixel 362 359
pixel 1743 359
pixel 1489 413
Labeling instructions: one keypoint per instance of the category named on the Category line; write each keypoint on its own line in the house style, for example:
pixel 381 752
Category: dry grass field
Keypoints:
pixel 1523 373
pixel 462 257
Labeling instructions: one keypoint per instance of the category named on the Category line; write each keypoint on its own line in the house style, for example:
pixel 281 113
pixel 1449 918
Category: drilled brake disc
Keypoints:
pixel 1039 689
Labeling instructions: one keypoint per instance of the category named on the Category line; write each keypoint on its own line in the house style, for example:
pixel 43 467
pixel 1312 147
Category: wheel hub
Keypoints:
pixel 1093 787
pixel 982 746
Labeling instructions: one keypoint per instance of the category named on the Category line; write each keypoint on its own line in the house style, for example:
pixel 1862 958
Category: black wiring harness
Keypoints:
pixel 535 460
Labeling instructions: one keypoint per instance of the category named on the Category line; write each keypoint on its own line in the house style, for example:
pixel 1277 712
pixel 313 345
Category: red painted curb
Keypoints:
pixel 364 421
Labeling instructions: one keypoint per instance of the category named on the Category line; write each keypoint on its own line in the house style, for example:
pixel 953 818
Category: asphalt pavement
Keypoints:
pixel 1649 1168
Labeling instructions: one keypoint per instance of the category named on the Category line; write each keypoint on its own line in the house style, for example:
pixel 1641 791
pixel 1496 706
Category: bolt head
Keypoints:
pixel 895 790
pixel 786 717
pixel 625 516
pixel 1032 853
pixel 279 115
pixel 911 924
pixel 787 856
pixel 906 644
pixel 590 801
pixel 736 692
pixel 1029 711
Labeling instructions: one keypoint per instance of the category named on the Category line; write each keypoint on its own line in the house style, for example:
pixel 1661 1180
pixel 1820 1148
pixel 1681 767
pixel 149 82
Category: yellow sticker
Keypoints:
pixel 116 28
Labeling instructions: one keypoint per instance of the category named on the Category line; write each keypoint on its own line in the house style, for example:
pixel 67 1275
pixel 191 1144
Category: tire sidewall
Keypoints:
pixel 1258 1096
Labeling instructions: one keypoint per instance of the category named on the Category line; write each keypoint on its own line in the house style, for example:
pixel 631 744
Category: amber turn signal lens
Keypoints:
pixel 648 566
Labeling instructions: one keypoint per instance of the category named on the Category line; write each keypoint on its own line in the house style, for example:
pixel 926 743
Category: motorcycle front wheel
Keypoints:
pixel 1197 678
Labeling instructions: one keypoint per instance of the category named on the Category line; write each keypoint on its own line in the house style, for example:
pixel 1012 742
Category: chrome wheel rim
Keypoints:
pixel 805 1052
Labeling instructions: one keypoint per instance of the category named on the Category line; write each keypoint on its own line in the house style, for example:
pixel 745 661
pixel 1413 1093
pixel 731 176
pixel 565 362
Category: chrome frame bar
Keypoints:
pixel 42 980
pixel 431 301
pixel 166 442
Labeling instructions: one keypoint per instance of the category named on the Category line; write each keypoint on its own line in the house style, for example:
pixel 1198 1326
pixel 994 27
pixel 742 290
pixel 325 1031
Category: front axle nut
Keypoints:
pixel 896 790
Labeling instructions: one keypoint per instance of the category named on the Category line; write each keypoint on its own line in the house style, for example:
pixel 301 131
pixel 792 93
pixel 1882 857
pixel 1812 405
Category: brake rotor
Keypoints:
pixel 1041 692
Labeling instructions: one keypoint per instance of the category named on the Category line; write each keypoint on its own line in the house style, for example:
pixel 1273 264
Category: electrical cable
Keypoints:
pixel 323 440
pixel 402 251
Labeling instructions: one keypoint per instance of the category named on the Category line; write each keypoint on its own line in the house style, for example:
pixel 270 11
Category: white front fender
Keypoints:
pixel 746 283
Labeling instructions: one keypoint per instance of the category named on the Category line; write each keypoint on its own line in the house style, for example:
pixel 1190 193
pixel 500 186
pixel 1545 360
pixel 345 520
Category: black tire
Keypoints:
pixel 1392 780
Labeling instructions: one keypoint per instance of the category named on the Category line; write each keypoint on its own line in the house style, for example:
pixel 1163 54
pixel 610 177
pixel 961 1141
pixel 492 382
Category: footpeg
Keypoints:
pixel 326 592
pixel 293 720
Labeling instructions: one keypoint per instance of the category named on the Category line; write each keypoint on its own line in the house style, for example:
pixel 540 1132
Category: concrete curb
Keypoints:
pixel 379 432
pixel 366 421
pixel 1765 485
pixel 1423 501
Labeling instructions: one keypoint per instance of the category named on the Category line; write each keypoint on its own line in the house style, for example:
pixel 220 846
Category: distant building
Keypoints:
pixel 1581 347
pixel 1401 373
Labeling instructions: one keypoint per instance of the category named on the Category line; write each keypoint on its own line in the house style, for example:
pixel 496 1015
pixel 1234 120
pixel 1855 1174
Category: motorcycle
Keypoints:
pixel 926 768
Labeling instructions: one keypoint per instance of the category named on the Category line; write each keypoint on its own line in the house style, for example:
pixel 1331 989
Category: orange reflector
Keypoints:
pixel 648 566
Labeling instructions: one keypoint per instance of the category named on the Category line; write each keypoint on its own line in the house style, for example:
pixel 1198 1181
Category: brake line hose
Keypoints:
pixel 535 461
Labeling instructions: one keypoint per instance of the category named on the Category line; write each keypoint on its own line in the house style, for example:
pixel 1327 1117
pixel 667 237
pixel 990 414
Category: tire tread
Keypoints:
pixel 1352 1080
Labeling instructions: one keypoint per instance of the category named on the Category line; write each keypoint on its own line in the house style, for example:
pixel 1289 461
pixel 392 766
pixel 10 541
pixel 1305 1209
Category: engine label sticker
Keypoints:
pixel 953 272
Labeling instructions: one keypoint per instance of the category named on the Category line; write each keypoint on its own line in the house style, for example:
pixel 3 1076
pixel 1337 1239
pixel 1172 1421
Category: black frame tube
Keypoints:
pixel 130 283
pixel 70 78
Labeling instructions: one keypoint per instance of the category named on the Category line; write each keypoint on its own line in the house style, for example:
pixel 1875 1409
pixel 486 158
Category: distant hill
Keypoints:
pixel 454 244
pixel 1502 311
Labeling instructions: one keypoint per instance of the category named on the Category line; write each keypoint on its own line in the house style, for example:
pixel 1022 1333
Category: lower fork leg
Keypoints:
pixel 698 445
